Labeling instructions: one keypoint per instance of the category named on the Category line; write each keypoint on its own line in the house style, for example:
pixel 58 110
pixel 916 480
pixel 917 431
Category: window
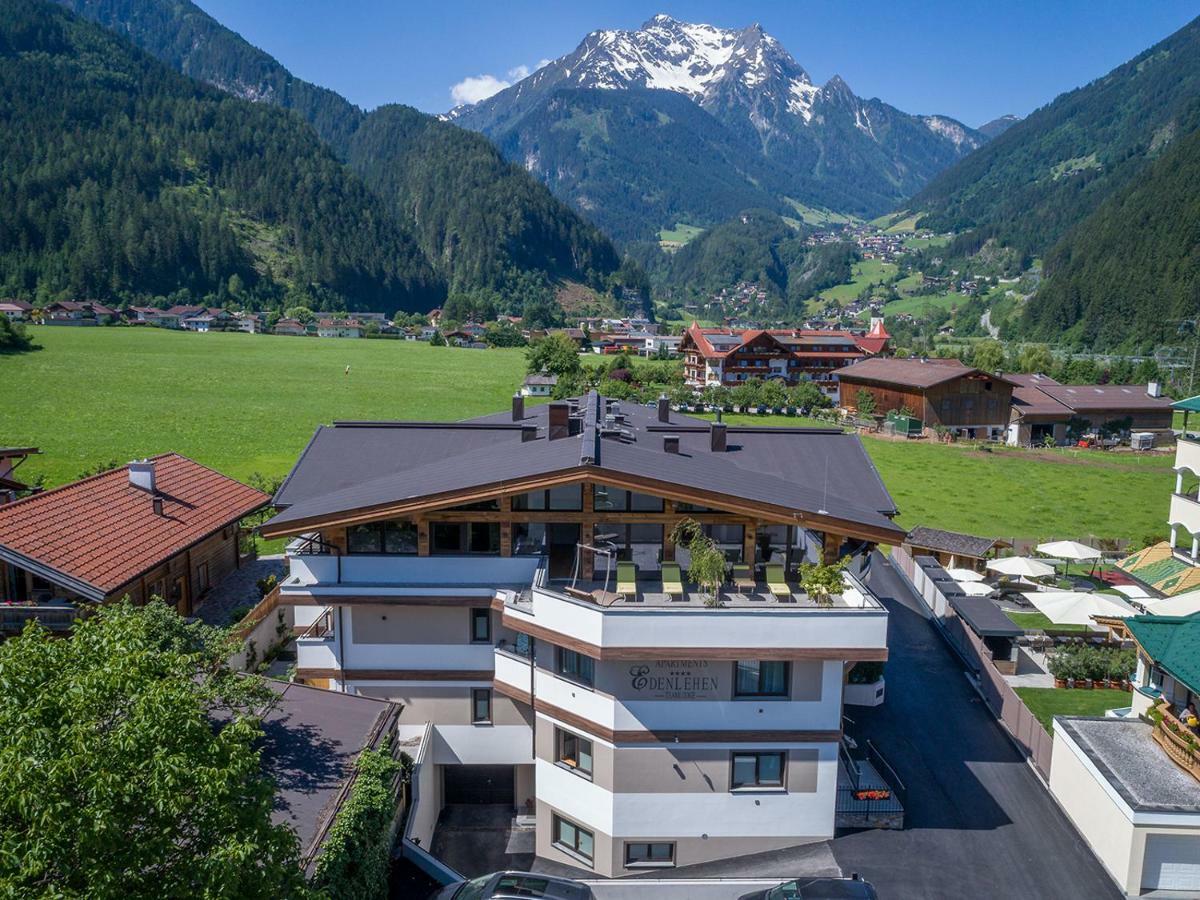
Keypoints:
pixel 611 499
pixel 570 837
pixel 754 770
pixel 481 706
pixel 576 667
pixel 382 537
pixel 481 626
pixel 202 577
pixel 158 589
pixel 661 853
pixel 465 537
pixel 567 498
pixel 573 752
pixel 754 678
pixel 529 539
pixel 492 505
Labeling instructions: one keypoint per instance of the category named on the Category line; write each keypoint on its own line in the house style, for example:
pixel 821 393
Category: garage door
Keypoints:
pixel 1171 862
pixel 479 784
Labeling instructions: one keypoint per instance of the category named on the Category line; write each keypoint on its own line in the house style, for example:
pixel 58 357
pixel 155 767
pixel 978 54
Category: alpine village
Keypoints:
pixel 657 472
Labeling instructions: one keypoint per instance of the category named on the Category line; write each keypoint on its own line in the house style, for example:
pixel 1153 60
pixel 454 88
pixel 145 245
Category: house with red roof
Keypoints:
pixel 727 356
pixel 77 312
pixel 159 527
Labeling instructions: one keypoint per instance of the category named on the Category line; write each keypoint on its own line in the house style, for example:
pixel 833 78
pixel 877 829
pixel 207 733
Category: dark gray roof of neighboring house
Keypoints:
pixel 952 542
pixel 914 373
pixel 1117 397
pixel 313 737
pixel 354 466
pixel 1030 400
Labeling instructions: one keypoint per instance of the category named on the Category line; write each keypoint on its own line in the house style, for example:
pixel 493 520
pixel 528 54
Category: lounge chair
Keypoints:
pixel 743 578
pixel 627 580
pixel 672 580
pixel 777 583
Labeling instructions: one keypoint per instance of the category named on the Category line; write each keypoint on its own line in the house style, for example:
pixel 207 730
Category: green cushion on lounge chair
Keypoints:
pixel 626 578
pixel 777 582
pixel 672 579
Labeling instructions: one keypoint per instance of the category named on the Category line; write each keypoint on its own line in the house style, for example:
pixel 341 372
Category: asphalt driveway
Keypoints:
pixel 978 821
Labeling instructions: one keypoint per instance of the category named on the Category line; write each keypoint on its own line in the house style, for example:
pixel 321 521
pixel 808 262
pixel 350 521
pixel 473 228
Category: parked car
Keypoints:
pixel 852 888
pixel 514 886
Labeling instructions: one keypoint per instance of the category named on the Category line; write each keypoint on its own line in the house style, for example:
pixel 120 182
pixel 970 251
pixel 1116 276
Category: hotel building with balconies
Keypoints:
pixel 467 571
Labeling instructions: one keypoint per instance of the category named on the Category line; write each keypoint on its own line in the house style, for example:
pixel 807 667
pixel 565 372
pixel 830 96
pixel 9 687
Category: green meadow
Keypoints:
pixel 248 403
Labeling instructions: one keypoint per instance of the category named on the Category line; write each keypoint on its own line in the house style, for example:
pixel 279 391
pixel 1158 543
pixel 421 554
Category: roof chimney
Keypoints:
pixel 528 433
pixel 717 434
pixel 559 415
pixel 157 505
pixel 518 407
pixel 141 475
pixel 1154 389
pixel 671 443
pixel 664 408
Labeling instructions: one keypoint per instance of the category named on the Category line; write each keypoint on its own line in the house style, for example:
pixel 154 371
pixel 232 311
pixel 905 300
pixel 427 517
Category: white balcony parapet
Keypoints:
pixel 1187 455
pixel 328 576
pixel 1185 513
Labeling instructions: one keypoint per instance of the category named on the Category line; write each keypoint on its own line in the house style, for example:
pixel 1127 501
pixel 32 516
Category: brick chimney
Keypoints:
pixel 559 416
pixel 717 435
pixel 518 407
pixel 141 475
pixel 664 409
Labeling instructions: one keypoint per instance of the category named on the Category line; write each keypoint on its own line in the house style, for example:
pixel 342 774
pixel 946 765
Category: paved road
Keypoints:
pixel 979 823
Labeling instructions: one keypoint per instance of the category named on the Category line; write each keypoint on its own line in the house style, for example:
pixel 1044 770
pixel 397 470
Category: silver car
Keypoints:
pixel 515 886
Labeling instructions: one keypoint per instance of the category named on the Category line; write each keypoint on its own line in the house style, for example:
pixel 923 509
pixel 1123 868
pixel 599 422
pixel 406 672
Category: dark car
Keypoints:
pixel 852 888
pixel 514 885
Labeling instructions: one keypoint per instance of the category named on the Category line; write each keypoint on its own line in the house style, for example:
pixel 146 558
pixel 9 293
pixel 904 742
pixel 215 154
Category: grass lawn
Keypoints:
pixel 240 403
pixel 1011 492
pixel 916 305
pixel 1036 621
pixel 1046 703
pixel 680 234
pixel 865 273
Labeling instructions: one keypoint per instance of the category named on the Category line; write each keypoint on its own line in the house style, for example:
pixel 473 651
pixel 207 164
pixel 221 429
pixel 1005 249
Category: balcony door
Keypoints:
pixel 561 540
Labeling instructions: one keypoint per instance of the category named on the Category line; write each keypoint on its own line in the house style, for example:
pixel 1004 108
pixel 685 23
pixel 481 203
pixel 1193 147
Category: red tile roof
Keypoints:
pixel 102 532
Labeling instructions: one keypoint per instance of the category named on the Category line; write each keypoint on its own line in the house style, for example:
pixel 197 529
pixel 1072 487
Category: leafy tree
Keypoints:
pixel 864 401
pixel 773 394
pixel 503 334
pixel 807 395
pixel 437 340
pixel 130 766
pixel 14 338
pixel 746 394
pixel 301 314
pixel 555 353
pixel 988 355
pixel 1035 358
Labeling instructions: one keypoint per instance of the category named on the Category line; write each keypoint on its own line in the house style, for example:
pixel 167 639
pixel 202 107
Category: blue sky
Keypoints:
pixel 965 58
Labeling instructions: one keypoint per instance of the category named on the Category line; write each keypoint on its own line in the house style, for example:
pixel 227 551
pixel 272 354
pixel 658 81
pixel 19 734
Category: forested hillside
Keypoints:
pixel 1129 273
pixel 1046 173
pixel 759 246
pixel 491 224
pixel 122 180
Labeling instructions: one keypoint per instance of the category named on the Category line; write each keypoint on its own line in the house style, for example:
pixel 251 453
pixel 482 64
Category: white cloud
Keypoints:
pixel 479 87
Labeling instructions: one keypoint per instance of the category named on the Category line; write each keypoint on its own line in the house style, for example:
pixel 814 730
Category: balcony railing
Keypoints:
pixel 1177 739
pixel 55 617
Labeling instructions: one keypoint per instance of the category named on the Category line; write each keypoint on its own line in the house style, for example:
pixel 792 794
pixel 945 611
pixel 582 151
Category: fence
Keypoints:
pixel 1024 728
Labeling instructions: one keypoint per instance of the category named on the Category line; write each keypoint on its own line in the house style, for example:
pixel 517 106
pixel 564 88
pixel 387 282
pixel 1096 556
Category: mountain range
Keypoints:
pixel 479 221
pixel 1104 184
pixel 688 122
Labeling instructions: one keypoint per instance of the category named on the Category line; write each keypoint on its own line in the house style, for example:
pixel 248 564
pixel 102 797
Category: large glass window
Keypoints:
pixel 529 539
pixel 575 667
pixel 771 544
pixel 766 678
pixel 639 542
pixel 566 498
pixel 752 770
pixel 382 537
pixel 574 752
pixel 613 499
pixel 570 837
pixel 660 853
pixel 481 626
pixel 465 537
pixel 481 706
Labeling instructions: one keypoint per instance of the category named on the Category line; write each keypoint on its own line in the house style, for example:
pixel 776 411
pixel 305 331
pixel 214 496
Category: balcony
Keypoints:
pixel 1178 740
pixel 328 578
pixel 1185 512
pixel 55 617
pixel 1187 455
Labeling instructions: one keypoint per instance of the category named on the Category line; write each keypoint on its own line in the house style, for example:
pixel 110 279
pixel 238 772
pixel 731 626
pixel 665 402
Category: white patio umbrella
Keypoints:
pixel 961 575
pixel 1021 565
pixel 976 588
pixel 1132 591
pixel 1069 550
pixel 1077 608
pixel 1179 605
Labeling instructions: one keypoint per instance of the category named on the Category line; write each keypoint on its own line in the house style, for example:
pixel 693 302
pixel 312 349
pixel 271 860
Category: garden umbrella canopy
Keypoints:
pixel 976 588
pixel 961 575
pixel 1179 605
pixel 1069 550
pixel 1077 608
pixel 1132 591
pixel 1021 565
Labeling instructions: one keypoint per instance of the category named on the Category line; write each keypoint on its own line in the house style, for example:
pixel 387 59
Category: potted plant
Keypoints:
pixel 1085 658
pixel 707 567
pixel 1059 665
pixel 823 582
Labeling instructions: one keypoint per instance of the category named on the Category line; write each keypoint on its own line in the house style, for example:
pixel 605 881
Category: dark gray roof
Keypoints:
pixel 952 542
pixel 313 738
pixel 353 466
pixel 983 617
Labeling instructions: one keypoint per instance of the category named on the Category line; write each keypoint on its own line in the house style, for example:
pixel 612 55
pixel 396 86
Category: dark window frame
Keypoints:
pixel 557 820
pixel 577 676
pixel 649 861
pixel 760 694
pixel 380 530
pixel 476 695
pixel 481 613
pixel 758 783
pixel 561 737
pixel 519 504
